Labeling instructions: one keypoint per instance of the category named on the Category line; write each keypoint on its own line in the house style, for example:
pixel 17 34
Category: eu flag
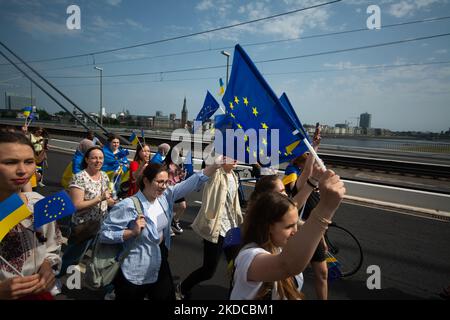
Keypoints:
pixel 252 104
pixel 210 105
pixel 12 211
pixel 286 103
pixel 52 208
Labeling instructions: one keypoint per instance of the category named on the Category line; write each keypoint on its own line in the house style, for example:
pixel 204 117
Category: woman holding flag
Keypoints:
pixel 116 164
pixel 91 197
pixel 145 272
pixel 27 263
pixel 137 167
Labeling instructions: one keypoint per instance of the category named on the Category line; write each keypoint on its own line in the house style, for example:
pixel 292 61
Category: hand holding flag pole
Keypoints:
pixel 11 266
pixel 313 152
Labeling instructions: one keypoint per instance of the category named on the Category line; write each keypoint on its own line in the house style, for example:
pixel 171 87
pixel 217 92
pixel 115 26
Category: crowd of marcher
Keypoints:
pixel 282 230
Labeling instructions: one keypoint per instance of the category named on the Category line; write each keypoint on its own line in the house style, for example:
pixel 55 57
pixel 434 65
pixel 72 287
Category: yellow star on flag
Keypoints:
pixel 239 126
pixel 264 125
pixel 255 111
pixel 231 105
pixel 236 100
pixel 264 141
pixel 232 115
pixel 245 101
pixel 245 138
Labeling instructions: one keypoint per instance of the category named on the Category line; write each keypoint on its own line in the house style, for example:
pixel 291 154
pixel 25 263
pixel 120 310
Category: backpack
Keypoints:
pixel 107 258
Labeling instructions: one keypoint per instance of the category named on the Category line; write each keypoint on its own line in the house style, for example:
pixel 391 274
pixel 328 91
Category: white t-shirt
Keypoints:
pixel 247 290
pixel 156 214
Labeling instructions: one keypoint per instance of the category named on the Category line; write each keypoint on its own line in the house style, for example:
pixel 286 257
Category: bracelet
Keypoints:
pixel 312 185
pixel 324 221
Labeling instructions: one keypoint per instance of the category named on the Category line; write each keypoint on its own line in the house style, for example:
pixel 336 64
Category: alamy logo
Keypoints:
pixel 73 22
pixel 374 280
pixel 374 21
pixel 74 279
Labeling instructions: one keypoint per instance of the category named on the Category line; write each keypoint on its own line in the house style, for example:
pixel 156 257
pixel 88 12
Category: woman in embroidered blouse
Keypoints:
pixel 145 272
pixel 273 251
pixel 91 197
pixel 37 264
pixel 137 166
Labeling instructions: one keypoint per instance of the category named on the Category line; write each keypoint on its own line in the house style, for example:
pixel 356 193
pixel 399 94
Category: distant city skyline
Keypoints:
pixel 404 86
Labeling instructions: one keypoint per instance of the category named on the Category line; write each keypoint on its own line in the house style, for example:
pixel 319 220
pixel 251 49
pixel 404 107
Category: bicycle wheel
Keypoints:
pixel 346 248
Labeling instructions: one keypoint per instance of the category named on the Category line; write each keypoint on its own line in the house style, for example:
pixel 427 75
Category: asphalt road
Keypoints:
pixel 411 252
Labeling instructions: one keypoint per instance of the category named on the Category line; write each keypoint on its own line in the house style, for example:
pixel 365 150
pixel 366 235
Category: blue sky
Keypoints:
pixel 330 88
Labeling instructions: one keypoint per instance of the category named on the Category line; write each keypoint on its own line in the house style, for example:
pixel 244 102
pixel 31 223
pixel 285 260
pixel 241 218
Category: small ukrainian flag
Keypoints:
pixel 12 211
pixel 27 111
pixel 222 89
pixel 134 140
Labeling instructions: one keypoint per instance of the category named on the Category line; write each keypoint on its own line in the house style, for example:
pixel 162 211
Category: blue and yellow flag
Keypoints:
pixel 12 211
pixel 116 164
pixel 251 104
pixel 27 111
pixel 210 105
pixel 291 174
pixel 134 140
pixel 52 208
pixel 221 87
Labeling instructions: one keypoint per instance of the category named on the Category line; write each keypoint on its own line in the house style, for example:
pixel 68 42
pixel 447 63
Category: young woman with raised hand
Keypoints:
pixel 273 252
pixel 145 272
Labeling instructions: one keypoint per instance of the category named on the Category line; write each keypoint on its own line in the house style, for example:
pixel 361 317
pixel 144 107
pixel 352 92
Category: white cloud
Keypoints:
pixel 37 25
pixel 410 7
pixel 135 24
pixel 114 3
pixel 401 9
pixel 441 51
pixel 288 26
pixel 204 5
pixel 100 23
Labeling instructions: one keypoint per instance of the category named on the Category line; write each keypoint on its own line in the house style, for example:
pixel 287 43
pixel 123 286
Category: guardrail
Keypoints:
pixel 389 166
pixel 420 169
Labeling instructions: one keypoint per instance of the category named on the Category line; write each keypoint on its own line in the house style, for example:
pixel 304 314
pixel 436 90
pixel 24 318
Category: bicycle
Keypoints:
pixel 345 247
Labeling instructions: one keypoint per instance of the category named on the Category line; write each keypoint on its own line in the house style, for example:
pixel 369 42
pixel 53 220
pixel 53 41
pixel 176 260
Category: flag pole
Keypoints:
pixel 12 267
pixel 314 153
pixel 311 149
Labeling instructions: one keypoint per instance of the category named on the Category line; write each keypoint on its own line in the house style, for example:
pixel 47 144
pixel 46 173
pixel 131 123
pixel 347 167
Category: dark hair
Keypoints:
pixel 87 153
pixel 113 136
pixel 15 137
pixel 264 184
pixel 90 133
pixel 150 172
pixel 139 147
pixel 267 209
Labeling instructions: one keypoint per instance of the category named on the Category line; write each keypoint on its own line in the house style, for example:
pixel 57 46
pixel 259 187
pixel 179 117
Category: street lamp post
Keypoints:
pixel 101 94
pixel 228 62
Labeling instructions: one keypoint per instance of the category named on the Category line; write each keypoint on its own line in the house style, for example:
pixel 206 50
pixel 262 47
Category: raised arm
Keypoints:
pixel 299 249
pixel 310 171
